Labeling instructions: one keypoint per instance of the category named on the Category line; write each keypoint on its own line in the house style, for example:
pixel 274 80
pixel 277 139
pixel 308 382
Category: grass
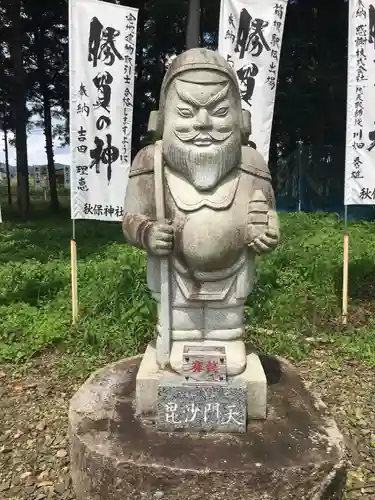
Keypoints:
pixel 296 304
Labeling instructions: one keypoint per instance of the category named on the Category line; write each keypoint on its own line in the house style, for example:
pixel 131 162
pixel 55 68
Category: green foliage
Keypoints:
pixel 299 292
pixel 116 312
pixel 296 302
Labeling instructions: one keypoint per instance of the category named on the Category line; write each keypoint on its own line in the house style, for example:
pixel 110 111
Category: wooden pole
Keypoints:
pixel 73 245
pixel 73 260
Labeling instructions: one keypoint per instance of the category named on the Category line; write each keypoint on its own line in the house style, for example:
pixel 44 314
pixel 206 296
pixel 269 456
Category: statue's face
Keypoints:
pixel 202 128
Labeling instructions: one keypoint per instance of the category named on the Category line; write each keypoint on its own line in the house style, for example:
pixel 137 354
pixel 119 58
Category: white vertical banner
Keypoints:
pixel 102 65
pixel 66 177
pixel 250 38
pixel 360 122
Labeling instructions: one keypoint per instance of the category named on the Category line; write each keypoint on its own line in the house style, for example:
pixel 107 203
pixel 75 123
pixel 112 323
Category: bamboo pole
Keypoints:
pixel 345 280
pixel 345 273
pixel 73 257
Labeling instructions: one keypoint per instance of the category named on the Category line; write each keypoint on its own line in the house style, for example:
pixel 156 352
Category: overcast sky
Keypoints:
pixel 36 151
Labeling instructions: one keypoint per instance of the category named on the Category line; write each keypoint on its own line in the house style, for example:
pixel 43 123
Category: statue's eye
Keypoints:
pixel 223 111
pixel 185 112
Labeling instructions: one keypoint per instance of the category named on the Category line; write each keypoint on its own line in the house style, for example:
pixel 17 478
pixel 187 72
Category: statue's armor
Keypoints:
pixel 212 264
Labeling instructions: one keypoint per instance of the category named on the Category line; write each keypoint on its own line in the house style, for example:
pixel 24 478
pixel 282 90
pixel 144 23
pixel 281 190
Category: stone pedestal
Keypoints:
pixel 296 453
pixel 194 408
pixel 254 379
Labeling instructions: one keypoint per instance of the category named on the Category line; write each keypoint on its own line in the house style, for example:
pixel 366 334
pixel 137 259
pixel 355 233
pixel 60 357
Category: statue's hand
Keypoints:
pixel 265 242
pixel 160 239
pixel 265 235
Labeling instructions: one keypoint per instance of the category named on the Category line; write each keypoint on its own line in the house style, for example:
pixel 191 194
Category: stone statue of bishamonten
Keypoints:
pixel 219 205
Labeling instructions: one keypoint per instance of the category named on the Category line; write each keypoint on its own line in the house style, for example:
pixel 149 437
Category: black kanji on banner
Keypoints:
pixel 246 76
pixel 102 44
pixel 250 37
pixel 106 155
pixel 372 24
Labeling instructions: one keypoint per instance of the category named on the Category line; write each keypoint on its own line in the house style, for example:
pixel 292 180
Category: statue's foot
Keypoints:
pixel 235 350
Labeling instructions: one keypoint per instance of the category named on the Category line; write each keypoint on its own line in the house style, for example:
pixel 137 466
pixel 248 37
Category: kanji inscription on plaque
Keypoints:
pixel 204 364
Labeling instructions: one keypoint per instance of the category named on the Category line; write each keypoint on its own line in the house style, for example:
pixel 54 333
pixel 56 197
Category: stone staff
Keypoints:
pixel 163 341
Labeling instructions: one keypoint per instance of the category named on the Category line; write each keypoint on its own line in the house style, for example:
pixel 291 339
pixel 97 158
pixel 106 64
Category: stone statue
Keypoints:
pixel 219 206
pixel 200 202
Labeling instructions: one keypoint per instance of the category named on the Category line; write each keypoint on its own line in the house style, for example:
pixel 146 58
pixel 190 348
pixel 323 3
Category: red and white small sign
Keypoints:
pixel 205 364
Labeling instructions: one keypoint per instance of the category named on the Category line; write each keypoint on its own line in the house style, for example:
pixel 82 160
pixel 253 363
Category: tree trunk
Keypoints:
pixel 39 36
pixel 15 46
pixel 193 24
pixel 201 28
pixel 159 57
pixel 49 150
pixel 7 164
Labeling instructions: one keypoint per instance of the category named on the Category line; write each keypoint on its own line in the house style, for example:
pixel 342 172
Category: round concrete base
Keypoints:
pixel 297 453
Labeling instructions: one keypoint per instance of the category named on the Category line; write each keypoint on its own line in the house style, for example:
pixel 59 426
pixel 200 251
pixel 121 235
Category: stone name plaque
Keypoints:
pixel 194 408
pixel 204 364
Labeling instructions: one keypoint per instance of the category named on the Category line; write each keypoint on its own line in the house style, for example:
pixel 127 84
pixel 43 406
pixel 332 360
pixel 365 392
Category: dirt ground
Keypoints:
pixel 34 454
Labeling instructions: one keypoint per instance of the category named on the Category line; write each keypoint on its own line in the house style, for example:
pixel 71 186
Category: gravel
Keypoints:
pixel 348 389
pixel 34 449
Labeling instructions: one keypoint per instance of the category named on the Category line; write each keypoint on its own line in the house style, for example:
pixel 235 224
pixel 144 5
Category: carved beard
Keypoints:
pixel 204 169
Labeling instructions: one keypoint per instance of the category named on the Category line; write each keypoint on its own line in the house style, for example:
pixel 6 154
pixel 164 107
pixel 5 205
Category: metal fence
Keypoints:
pixel 311 179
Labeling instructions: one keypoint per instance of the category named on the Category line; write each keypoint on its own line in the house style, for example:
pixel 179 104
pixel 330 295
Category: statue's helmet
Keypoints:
pixel 195 63
pixel 199 61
